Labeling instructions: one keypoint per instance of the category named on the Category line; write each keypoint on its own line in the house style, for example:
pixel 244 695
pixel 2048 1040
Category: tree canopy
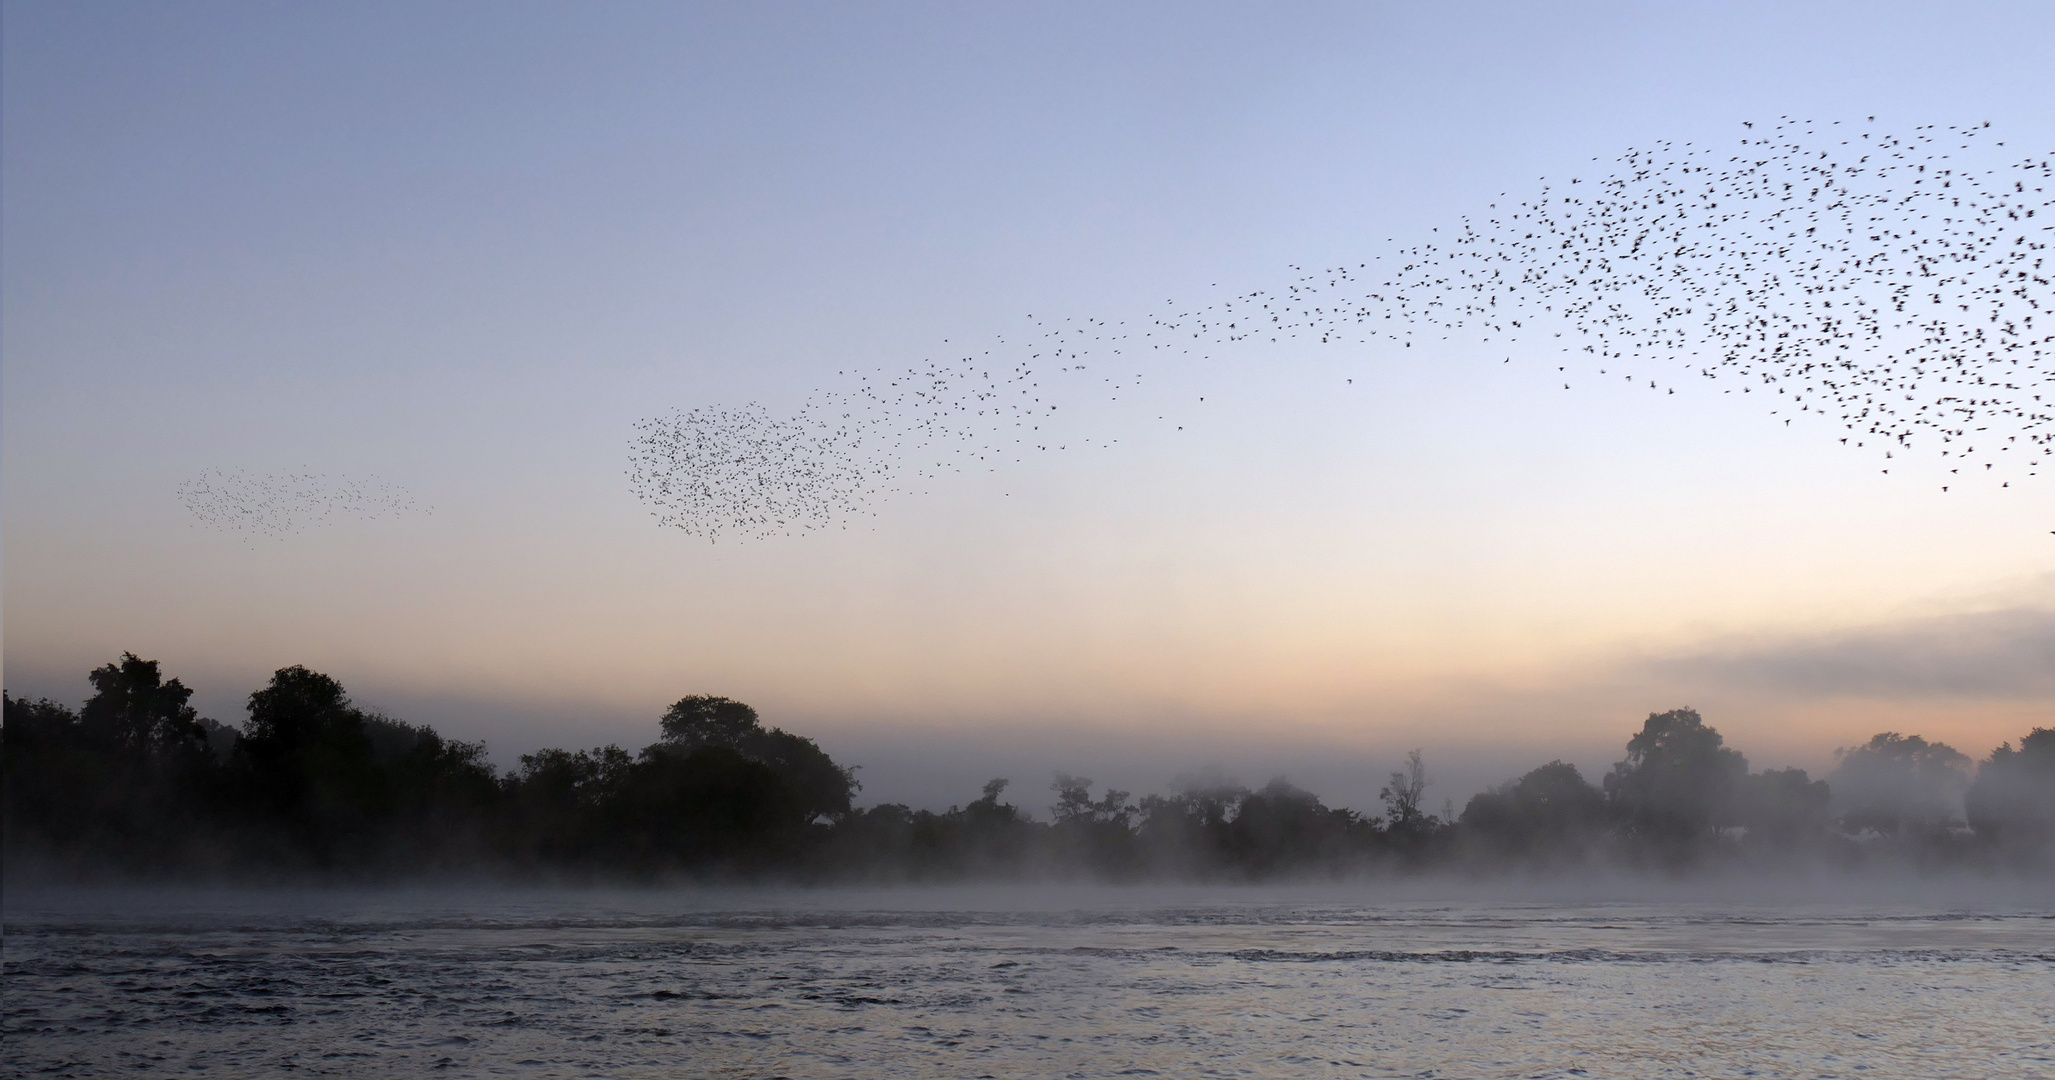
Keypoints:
pixel 135 783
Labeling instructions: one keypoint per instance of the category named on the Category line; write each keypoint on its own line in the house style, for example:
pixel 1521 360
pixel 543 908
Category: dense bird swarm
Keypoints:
pixel 277 505
pixel 1879 281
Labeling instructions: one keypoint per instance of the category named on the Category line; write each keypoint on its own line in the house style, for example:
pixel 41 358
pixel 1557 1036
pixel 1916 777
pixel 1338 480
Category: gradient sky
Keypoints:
pixel 464 247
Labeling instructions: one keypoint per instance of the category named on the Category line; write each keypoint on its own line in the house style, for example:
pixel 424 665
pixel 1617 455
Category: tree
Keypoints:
pixel 562 802
pixel 1403 795
pixel 1075 805
pixel 443 794
pixel 300 708
pixel 307 763
pixel 2012 802
pixel 985 835
pixel 124 783
pixel 1283 828
pixel 1897 784
pixel 821 787
pixel 1097 834
pixel 52 773
pixel 987 808
pixel 697 720
pixel 711 806
pixel 1549 814
pixel 134 710
pixel 1190 830
pixel 1784 808
pixel 1676 787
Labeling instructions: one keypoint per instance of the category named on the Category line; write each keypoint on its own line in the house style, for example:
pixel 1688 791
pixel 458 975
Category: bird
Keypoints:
pixel 274 506
pixel 1894 288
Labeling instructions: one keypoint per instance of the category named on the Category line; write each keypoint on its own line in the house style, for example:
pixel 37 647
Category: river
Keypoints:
pixel 1871 981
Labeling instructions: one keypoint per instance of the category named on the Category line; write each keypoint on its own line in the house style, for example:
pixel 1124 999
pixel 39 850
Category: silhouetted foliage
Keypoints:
pixel 1404 797
pixel 1096 834
pixel 820 787
pixel 698 720
pixel 1785 809
pixel 134 782
pixel 1677 786
pixel 126 779
pixel 304 765
pixel 2012 802
pixel 1282 829
pixel 135 713
pixel 1897 784
pixel 1551 815
pixel 985 838
pixel 562 803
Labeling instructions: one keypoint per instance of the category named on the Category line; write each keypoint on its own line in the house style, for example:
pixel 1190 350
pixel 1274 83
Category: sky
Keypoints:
pixel 464 248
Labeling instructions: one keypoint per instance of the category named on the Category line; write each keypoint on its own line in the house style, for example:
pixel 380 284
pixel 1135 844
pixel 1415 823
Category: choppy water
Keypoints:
pixel 1024 984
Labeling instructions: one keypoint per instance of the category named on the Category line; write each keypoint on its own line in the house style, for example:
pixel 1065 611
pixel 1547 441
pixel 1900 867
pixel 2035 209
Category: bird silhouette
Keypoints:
pixel 1894 288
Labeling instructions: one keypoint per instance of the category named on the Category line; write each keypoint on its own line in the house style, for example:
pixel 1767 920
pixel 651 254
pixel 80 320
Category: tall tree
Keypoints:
pixel 1551 814
pixel 1896 784
pixel 697 720
pixel 1784 808
pixel 820 787
pixel 1676 786
pixel 306 762
pixel 2012 802
pixel 134 709
pixel 1404 796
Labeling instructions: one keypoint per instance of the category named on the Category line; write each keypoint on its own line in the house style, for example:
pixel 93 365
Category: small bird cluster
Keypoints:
pixel 277 505
pixel 1881 282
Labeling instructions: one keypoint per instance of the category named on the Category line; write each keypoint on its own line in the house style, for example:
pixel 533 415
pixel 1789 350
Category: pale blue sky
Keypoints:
pixel 463 247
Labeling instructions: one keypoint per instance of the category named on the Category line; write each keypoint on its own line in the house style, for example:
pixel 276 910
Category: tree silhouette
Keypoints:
pixel 819 787
pixel 1785 808
pixel 135 782
pixel 697 720
pixel 1551 814
pixel 2012 803
pixel 1677 785
pixel 1897 784
pixel 134 709
pixel 307 763
pixel 1403 797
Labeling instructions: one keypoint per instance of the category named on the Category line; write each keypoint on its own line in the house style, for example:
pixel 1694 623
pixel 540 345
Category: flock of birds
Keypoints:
pixel 1884 283
pixel 278 505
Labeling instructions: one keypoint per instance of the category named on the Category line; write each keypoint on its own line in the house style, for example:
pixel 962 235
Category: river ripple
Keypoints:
pixel 1023 983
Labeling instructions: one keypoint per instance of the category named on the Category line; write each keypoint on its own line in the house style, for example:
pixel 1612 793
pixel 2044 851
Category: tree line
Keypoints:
pixel 134 783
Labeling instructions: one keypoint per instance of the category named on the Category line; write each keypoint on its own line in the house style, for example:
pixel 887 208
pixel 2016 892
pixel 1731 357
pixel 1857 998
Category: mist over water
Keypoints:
pixel 1897 979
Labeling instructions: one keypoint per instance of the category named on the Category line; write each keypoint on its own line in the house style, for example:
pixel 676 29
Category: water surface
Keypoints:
pixel 1028 983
